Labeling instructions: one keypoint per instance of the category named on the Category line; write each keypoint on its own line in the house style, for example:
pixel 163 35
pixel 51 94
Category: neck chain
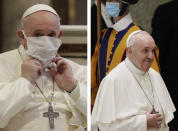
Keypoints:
pixel 152 103
pixel 50 114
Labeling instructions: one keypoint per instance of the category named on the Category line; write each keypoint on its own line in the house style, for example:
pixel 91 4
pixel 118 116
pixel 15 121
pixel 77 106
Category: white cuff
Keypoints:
pixel 75 94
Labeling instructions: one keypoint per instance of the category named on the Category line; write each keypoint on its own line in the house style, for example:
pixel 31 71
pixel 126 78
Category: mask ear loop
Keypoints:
pixel 25 37
pixel 60 34
pixel 23 32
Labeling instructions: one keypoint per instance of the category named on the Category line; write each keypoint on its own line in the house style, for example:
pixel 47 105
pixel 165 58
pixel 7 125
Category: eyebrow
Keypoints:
pixel 41 31
pixel 148 48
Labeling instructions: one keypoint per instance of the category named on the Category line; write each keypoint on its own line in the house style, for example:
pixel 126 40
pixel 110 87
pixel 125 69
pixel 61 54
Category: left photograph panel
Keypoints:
pixel 43 65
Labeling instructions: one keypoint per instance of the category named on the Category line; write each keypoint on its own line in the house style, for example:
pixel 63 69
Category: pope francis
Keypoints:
pixel 39 90
pixel 133 96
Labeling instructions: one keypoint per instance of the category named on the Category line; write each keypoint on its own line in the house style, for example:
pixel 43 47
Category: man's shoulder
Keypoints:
pixel 154 73
pixel 119 72
pixel 9 62
pixel 75 66
pixel 8 54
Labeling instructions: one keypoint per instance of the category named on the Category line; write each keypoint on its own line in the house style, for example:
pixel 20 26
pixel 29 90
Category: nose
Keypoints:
pixel 151 55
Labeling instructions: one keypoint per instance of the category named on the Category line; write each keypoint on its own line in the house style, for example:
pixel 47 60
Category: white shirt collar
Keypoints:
pixel 133 68
pixel 123 23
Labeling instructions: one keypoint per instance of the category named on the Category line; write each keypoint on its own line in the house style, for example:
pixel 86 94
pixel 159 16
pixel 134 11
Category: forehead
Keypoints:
pixel 42 20
pixel 144 41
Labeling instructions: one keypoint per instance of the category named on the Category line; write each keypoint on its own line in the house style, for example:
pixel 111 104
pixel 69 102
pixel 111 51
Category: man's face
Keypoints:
pixel 42 23
pixel 142 52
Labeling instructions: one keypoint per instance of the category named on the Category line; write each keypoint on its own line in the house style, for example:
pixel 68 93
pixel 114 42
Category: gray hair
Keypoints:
pixel 36 8
pixel 24 20
pixel 132 37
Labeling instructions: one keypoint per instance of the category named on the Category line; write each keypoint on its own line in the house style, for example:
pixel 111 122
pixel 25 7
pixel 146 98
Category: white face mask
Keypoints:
pixel 43 48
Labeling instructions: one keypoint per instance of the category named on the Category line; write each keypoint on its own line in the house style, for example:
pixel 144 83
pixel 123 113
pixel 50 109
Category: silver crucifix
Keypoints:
pixel 51 115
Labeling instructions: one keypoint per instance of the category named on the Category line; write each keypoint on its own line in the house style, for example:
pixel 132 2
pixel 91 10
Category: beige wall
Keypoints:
pixel 12 12
pixel 143 12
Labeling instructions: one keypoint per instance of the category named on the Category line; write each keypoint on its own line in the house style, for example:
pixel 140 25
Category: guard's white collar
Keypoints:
pixel 123 23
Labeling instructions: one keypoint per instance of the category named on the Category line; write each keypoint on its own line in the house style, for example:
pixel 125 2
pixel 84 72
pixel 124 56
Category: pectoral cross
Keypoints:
pixel 51 115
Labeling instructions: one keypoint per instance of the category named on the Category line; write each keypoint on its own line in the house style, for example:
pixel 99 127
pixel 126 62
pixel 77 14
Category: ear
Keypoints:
pixel 22 39
pixel 60 34
pixel 129 50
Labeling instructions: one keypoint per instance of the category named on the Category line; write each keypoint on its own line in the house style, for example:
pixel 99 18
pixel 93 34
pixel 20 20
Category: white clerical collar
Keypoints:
pixel 123 23
pixel 133 68
pixel 22 53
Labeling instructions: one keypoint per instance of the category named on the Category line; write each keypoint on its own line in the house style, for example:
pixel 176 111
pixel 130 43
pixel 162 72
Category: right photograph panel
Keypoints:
pixel 133 68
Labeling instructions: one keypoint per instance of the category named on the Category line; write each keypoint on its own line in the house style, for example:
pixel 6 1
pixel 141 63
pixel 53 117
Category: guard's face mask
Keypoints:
pixel 43 48
pixel 112 8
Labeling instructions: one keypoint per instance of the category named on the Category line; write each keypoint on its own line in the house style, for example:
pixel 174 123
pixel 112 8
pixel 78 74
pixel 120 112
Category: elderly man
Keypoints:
pixel 39 90
pixel 111 47
pixel 133 96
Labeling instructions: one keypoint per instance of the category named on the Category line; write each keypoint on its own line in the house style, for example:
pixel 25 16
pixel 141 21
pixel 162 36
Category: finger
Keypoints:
pixel 60 62
pixel 57 58
pixel 38 62
pixel 30 58
pixel 57 55
pixel 159 119
pixel 52 72
pixel 157 115
pixel 150 111
pixel 39 70
pixel 156 125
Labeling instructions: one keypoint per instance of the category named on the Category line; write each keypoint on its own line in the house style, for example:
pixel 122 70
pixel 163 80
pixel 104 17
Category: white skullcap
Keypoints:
pixel 130 36
pixel 39 7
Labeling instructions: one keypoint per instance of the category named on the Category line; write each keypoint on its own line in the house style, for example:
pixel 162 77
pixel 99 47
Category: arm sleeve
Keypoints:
pixel 13 98
pixel 79 98
pixel 134 123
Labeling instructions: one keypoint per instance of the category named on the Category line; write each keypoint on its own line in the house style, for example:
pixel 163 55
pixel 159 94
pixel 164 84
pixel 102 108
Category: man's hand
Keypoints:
pixel 63 76
pixel 31 69
pixel 153 120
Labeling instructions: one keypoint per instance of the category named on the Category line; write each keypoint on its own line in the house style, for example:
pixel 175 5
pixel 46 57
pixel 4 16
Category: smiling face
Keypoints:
pixel 141 53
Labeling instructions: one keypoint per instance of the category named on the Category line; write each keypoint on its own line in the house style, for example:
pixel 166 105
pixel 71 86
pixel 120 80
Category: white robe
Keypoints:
pixel 121 104
pixel 22 105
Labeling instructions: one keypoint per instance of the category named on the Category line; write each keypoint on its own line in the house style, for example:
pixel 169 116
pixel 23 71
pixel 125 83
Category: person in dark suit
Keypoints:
pixel 165 32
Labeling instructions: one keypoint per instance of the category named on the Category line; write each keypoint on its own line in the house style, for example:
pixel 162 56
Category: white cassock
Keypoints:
pixel 22 105
pixel 121 104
